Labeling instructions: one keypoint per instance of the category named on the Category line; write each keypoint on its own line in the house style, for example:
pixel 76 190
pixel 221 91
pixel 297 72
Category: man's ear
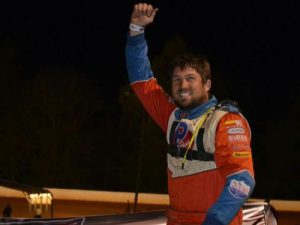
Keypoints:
pixel 207 85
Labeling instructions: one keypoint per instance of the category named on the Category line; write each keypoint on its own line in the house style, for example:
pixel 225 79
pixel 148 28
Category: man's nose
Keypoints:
pixel 183 84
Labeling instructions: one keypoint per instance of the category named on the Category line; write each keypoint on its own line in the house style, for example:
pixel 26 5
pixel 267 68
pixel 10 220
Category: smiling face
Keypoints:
pixel 188 88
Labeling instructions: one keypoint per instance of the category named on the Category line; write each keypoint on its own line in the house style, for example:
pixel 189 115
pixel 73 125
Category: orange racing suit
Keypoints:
pixel 211 177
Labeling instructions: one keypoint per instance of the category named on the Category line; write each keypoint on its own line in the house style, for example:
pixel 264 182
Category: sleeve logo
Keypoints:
pixel 241 154
pixel 238 138
pixel 236 130
pixel 233 122
pixel 238 189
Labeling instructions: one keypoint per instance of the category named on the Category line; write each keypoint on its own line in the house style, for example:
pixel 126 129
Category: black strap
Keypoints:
pixel 191 155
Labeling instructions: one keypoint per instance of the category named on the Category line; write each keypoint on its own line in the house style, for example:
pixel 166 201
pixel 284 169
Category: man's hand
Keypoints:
pixel 143 14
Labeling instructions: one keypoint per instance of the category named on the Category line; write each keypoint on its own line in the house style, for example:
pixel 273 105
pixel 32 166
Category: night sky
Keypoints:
pixel 253 46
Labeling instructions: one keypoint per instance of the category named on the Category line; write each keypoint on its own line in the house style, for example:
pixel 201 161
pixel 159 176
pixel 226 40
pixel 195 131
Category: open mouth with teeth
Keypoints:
pixel 183 94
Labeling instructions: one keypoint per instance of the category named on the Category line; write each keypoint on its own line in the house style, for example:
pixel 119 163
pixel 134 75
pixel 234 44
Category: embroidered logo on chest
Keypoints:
pixel 183 133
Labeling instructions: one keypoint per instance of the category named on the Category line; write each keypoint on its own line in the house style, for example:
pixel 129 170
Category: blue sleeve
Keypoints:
pixel 237 190
pixel 137 61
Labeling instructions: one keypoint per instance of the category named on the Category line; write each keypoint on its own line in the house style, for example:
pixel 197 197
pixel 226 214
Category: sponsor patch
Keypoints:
pixel 238 189
pixel 237 138
pixel 236 130
pixel 183 134
pixel 233 122
pixel 241 154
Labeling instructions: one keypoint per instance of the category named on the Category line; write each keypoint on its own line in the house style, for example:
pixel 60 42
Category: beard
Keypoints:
pixel 190 104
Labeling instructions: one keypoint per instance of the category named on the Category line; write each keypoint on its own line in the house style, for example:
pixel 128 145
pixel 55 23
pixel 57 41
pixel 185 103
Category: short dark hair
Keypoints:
pixel 198 62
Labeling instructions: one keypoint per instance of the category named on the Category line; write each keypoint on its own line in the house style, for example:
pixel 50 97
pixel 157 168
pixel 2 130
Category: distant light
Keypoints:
pixel 40 199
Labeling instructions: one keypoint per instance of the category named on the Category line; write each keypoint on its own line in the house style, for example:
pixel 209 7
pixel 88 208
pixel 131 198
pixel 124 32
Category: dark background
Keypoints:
pixel 66 123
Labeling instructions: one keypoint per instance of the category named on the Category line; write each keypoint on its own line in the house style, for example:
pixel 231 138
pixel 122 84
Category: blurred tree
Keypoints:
pixel 10 85
pixel 47 130
pixel 55 107
pixel 277 173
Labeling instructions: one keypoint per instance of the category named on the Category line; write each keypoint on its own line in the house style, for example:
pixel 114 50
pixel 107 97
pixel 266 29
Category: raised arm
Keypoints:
pixel 141 78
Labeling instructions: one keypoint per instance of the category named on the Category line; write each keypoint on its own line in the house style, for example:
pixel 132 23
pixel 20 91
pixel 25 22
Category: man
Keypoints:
pixel 210 171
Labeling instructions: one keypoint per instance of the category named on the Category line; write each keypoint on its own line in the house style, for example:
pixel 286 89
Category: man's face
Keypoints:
pixel 188 89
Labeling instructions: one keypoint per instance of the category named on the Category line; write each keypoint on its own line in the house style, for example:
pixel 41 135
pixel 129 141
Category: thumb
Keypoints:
pixel 153 13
